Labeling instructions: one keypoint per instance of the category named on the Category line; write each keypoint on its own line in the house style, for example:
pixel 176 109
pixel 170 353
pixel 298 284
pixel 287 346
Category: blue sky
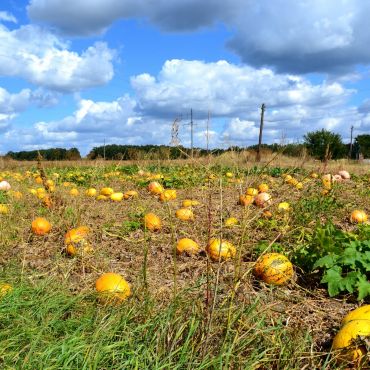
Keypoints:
pixel 74 73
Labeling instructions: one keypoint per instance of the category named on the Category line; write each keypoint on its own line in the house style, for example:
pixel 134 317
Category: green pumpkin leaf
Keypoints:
pixel 363 287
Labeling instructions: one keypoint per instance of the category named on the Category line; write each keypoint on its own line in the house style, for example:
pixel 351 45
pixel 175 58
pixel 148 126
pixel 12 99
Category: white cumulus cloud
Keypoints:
pixel 7 17
pixel 290 35
pixel 40 57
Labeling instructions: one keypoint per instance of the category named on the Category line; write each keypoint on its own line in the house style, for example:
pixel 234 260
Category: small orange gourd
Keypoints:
pixel 40 226
pixel 187 246
pixel 152 222
pixel 112 288
pixel 358 216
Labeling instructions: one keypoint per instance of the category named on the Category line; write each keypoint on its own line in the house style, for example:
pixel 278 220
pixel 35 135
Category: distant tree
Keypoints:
pixel 323 144
pixel 362 145
pixel 73 154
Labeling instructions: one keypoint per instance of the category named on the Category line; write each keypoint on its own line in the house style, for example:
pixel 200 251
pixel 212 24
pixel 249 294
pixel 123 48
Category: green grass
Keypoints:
pixel 44 326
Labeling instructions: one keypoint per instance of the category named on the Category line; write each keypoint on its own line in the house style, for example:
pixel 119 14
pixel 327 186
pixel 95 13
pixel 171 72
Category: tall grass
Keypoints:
pixel 44 326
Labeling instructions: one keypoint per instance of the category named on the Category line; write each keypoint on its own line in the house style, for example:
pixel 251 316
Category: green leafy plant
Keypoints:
pixel 345 270
pixel 326 239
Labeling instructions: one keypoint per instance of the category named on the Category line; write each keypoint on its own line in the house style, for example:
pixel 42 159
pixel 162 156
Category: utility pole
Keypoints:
pixel 191 132
pixel 104 150
pixel 209 116
pixel 350 145
pixel 258 157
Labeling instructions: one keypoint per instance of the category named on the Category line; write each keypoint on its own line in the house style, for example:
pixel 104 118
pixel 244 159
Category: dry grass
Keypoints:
pixel 308 314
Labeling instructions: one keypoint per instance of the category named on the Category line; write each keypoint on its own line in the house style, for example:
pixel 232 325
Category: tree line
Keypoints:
pixel 52 154
pixel 321 144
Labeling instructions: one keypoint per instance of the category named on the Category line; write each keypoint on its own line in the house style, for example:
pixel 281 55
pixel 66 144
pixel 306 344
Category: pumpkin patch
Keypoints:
pixel 253 251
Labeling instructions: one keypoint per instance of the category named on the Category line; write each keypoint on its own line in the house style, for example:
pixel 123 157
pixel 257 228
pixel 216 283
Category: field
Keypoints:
pixel 184 311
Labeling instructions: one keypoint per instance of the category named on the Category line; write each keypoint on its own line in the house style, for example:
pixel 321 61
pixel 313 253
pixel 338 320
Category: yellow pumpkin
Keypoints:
pixel 273 268
pixel 299 186
pixel 220 249
pixel 287 178
pixel 190 203
pixel 38 180
pixel 4 209
pixel 284 206
pixel 293 181
pixel 40 226
pixel 231 221
pixel 187 246
pixel 130 194
pixel 246 200
pixel 152 222
pixel 116 197
pixel 76 242
pixel 184 214
pixel 360 313
pixel 106 191
pixel 252 191
pixel 74 192
pixel 91 192
pixel 167 195
pixel 5 289
pixel 358 216
pixel 112 288
pixel 327 181
pixel 102 197
pixel 346 337
pixel 263 188
pixel 155 188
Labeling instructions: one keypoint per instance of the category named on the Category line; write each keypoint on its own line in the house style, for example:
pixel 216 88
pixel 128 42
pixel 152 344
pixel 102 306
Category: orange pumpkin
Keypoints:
pixel 76 242
pixel 152 222
pixel 40 226
pixel 358 216
pixel 155 188
pixel 184 214
pixel 187 246
pixel 263 188
pixel 246 200
pixel 112 288
pixel 273 268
